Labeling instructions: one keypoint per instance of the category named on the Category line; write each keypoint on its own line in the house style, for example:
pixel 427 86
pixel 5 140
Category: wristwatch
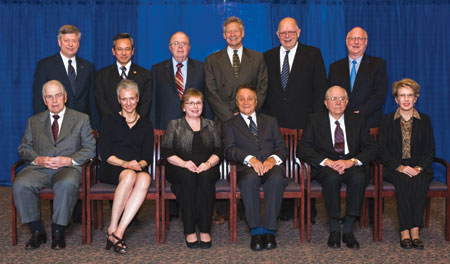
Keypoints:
pixel 355 161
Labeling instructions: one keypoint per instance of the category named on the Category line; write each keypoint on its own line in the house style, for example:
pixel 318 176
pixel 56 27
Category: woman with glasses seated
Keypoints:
pixel 193 148
pixel 406 146
pixel 126 149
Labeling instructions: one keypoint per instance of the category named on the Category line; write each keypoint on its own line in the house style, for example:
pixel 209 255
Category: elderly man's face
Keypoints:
pixel 233 35
pixel 179 46
pixel 69 44
pixel 336 101
pixel 246 101
pixel 288 33
pixel 356 42
pixel 123 51
pixel 54 97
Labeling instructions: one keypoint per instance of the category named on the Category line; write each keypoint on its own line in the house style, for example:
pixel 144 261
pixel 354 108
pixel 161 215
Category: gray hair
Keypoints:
pixel 69 29
pixel 233 19
pixel 326 94
pixel 127 85
pixel 53 82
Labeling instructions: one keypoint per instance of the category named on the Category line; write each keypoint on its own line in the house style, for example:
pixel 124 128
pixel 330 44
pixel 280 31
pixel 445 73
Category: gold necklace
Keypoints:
pixel 131 122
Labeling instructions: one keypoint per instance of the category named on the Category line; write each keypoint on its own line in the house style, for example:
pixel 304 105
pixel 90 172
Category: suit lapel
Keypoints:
pixel 191 70
pixel 362 71
pixel 242 125
pixel 171 78
pixel 326 130
pixel 297 65
pixel 61 69
pixel 81 73
pixel 66 124
pixel 225 63
pixel 45 121
pixel 246 65
pixel 351 135
pixel 133 73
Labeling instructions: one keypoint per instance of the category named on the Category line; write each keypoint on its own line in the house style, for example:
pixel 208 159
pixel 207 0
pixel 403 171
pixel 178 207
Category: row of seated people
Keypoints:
pixel 336 143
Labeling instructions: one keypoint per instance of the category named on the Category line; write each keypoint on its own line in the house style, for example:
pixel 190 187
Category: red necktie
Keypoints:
pixel 179 80
pixel 55 127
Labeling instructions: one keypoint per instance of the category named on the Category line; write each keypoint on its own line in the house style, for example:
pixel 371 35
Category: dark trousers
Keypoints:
pixel 356 180
pixel 273 182
pixel 196 194
pixel 411 195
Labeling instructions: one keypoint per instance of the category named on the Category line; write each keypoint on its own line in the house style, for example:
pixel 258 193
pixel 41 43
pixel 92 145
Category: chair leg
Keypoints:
pixel 13 221
pixel 375 219
pixel 94 214
pixel 234 208
pixel 163 221
pixel 447 218
pixel 296 213
pixel 308 219
pixel 88 221
pixel 158 221
pixel 100 215
pixel 167 216
pixel 380 219
pixel 427 212
pixel 83 221
pixel 366 212
pixel 302 220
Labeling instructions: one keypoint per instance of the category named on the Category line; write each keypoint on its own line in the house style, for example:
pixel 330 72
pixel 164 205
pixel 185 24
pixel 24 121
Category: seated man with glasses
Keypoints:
pixel 337 145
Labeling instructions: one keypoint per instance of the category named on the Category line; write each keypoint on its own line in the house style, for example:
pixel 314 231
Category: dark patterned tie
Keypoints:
pixel 236 63
pixel 253 128
pixel 55 127
pixel 339 141
pixel 124 73
pixel 285 70
pixel 179 80
pixel 72 76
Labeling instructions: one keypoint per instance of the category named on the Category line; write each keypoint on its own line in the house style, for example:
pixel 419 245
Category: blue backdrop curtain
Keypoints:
pixel 413 37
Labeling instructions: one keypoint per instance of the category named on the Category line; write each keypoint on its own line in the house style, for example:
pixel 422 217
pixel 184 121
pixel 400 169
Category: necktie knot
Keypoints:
pixel 337 123
pixel 235 52
pixel 179 65
pixel 70 62
pixel 56 117
pixel 354 62
pixel 123 68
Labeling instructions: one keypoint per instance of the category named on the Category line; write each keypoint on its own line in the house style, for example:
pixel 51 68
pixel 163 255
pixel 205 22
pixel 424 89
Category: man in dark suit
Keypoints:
pixel 227 69
pixel 167 92
pixel 297 83
pixel 55 145
pixel 75 73
pixel 108 78
pixel 254 141
pixel 338 146
pixel 364 78
pixel 297 78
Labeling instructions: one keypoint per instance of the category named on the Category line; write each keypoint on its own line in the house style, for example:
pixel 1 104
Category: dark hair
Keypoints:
pixel 123 36
pixel 246 86
pixel 190 92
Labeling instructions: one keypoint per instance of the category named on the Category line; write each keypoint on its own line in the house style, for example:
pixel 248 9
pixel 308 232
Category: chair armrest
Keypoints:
pixel 15 167
pixel 447 169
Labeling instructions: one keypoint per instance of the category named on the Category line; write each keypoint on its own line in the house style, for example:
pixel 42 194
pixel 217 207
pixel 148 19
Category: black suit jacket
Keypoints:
pixel 166 104
pixel 370 87
pixel 305 89
pixel 106 84
pixel 317 144
pixel 52 68
pixel 239 142
pixel 422 143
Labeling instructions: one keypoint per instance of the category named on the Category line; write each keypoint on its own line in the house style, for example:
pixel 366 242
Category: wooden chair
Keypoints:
pixel 97 191
pixel 223 191
pixel 437 189
pixel 47 194
pixel 314 190
pixel 295 188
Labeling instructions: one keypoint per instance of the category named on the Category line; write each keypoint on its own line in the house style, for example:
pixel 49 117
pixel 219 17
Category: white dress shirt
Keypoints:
pixel 66 63
pixel 291 56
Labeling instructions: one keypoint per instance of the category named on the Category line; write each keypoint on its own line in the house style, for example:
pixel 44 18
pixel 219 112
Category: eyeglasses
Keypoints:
pixel 286 33
pixel 353 39
pixel 403 96
pixel 340 99
pixel 50 97
pixel 194 103
pixel 179 44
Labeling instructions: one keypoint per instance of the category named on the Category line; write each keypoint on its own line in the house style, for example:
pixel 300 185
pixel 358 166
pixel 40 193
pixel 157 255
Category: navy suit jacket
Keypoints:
pixel 305 89
pixel 52 68
pixel 106 85
pixel 370 87
pixel 166 104
pixel 239 142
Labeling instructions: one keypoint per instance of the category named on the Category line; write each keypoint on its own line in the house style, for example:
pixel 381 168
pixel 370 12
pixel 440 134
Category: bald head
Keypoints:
pixel 356 42
pixel 288 32
pixel 179 46
pixel 336 101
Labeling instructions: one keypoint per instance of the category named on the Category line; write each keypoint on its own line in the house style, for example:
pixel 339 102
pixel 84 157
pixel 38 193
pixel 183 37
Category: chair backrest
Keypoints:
pixel 157 139
pixel 374 133
pixel 290 137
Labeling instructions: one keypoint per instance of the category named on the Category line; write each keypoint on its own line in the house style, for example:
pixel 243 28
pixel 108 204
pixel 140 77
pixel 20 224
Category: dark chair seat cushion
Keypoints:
pixel 49 190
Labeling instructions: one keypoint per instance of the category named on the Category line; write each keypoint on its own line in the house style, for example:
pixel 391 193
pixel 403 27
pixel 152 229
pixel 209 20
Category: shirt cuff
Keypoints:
pixel 74 163
pixel 323 162
pixel 247 159
pixel 277 159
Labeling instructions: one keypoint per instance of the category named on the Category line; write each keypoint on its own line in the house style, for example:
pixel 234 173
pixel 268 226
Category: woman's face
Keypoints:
pixel 405 98
pixel 128 99
pixel 193 107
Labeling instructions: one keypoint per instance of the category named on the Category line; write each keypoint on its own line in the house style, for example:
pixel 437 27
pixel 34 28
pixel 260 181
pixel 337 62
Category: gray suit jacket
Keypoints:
pixel 75 139
pixel 221 85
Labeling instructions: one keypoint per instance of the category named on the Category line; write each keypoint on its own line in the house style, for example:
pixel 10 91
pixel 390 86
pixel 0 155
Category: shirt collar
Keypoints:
pixel 60 114
pixel 415 114
pixel 293 50
pixel 128 66
pixel 332 120
pixel 65 58
pixel 358 60
pixel 253 115
pixel 175 62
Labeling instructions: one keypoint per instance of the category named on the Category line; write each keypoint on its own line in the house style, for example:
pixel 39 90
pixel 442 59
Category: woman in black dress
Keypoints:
pixel 126 149
pixel 193 149
pixel 406 146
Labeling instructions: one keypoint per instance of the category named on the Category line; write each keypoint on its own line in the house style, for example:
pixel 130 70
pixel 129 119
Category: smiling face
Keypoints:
pixel 233 34
pixel 246 101
pixel 193 107
pixel 356 42
pixel 288 33
pixel 54 97
pixel 405 98
pixel 69 44
pixel 179 46
pixel 128 100
pixel 123 51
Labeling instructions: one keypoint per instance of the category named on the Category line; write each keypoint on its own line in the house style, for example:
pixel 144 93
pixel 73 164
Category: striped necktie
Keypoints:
pixel 236 63
pixel 253 128
pixel 339 140
pixel 72 76
pixel 285 71
pixel 124 73
pixel 179 80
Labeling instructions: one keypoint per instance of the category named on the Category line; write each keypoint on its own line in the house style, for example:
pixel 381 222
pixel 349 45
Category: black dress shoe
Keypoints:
pixel 350 240
pixel 205 245
pixel 36 240
pixel 406 243
pixel 334 240
pixel 269 241
pixel 58 241
pixel 417 243
pixel 257 243
pixel 192 245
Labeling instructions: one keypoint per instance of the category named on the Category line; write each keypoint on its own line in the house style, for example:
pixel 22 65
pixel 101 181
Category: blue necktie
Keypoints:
pixel 353 75
pixel 285 70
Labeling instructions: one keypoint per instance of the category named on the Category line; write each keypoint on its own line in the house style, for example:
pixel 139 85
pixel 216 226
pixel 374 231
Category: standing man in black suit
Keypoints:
pixel 254 141
pixel 75 73
pixel 108 78
pixel 168 88
pixel 364 78
pixel 337 145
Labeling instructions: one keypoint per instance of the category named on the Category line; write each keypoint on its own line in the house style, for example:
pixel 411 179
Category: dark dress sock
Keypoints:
pixel 348 224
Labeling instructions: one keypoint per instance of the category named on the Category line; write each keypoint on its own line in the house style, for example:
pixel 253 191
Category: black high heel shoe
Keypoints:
pixel 119 246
